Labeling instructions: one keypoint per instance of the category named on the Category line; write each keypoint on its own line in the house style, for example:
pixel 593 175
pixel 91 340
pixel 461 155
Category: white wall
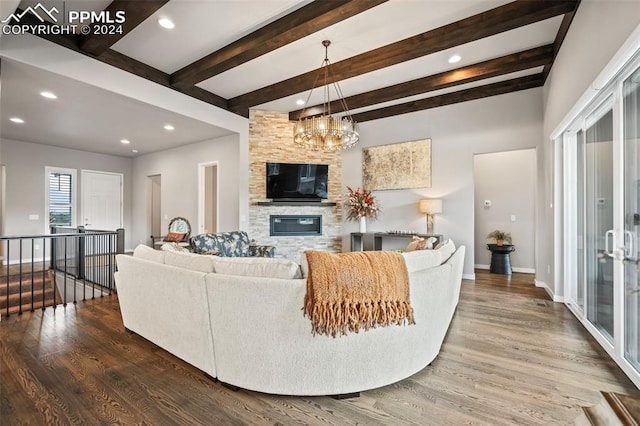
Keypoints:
pixel 500 123
pixel 598 30
pixel 179 170
pixel 508 180
pixel 25 183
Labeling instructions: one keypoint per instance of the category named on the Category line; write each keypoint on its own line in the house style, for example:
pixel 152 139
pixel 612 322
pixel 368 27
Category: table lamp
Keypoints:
pixel 430 207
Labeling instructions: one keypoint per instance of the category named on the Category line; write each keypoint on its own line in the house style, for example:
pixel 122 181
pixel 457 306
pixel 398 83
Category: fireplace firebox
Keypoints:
pixel 290 225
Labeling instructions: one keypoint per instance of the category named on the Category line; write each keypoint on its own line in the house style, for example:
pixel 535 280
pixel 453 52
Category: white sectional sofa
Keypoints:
pixel 249 331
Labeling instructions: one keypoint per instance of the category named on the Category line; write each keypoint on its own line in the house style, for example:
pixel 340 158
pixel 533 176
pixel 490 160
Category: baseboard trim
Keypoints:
pixel 513 268
pixel 471 277
pixel 554 297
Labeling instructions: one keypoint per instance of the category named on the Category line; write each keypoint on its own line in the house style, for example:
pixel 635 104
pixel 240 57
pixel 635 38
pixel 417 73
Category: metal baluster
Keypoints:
pixel 64 296
pixel 75 276
pixel 103 265
pixel 54 262
pixel 33 267
pixel 44 279
pixel 111 262
pixel 20 288
pixel 96 249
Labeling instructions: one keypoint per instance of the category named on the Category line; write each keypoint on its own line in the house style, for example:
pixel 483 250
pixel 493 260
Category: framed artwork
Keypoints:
pixel 397 166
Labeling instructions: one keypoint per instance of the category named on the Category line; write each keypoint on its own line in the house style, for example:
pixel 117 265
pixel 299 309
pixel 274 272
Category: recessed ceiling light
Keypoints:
pixel 166 23
pixel 454 58
pixel 169 127
pixel 125 141
pixel 48 95
pixel 17 120
pixel 135 151
pixel 300 102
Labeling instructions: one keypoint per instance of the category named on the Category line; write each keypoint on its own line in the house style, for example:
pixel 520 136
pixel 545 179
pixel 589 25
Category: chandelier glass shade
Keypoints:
pixel 325 132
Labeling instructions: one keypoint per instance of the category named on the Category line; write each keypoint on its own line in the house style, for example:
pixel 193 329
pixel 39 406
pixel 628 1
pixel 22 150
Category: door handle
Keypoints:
pixel 606 242
pixel 628 251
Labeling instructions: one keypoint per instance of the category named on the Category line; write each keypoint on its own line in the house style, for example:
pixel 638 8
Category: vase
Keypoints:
pixel 363 224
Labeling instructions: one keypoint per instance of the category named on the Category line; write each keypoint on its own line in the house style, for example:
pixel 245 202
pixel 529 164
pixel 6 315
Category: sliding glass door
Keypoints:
pixel 631 119
pixel 601 176
pixel 596 202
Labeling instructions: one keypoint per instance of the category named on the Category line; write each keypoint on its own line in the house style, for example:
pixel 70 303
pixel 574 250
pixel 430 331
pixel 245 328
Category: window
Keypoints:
pixel 60 197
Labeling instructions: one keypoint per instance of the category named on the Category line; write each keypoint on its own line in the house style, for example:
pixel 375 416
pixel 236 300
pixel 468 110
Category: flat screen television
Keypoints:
pixel 297 182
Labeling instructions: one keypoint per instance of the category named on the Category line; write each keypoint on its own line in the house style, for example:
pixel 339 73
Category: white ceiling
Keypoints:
pixel 85 117
pixel 88 118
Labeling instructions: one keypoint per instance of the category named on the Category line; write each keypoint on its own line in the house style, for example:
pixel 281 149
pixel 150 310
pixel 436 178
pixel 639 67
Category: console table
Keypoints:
pixel 373 240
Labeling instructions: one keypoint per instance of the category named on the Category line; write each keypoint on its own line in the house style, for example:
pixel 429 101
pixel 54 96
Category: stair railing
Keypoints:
pixel 77 262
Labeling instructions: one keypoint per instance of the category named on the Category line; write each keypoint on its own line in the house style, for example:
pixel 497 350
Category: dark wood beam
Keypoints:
pixel 480 92
pixel 519 61
pixel 562 33
pixel 491 22
pixel 135 13
pixel 126 63
pixel 308 19
pixel 133 66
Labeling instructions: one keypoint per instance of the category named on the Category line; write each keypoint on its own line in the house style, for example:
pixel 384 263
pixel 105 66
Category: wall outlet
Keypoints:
pixel 513 218
pixel 548 269
pixel 34 217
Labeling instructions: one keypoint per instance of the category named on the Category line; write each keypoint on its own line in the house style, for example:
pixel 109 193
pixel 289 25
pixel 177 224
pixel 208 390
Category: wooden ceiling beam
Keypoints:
pixel 135 13
pixel 491 22
pixel 308 19
pixel 519 61
pixel 562 33
pixel 508 86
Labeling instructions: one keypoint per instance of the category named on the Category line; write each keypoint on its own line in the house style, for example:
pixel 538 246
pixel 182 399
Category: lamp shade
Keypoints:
pixel 430 206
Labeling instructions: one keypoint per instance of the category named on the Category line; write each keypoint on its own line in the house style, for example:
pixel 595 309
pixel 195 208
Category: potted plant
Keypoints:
pixel 500 237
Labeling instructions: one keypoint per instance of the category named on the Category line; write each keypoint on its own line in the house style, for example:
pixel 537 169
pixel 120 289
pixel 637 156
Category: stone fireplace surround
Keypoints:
pixel 271 140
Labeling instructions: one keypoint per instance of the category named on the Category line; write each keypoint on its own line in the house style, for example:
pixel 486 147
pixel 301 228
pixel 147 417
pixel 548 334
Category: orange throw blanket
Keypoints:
pixel 358 290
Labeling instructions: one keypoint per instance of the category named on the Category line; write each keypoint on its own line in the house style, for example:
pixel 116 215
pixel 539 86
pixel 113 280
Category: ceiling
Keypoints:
pixel 390 57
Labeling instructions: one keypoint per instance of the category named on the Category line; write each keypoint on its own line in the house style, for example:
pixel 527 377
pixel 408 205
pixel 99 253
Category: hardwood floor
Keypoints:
pixel 511 357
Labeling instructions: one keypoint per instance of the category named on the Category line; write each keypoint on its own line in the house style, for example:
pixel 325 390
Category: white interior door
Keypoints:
pixel 101 200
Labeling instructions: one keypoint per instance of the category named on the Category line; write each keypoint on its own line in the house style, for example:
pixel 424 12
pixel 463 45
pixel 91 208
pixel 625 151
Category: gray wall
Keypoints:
pixel 179 170
pixel 508 180
pixel 25 183
pixel 501 123
pixel 598 30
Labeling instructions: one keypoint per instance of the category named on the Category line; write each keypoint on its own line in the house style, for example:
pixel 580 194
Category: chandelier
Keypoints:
pixel 324 132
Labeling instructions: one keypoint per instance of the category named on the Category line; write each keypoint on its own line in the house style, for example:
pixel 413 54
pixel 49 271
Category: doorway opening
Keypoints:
pixel 208 197
pixel 154 184
pixel 504 200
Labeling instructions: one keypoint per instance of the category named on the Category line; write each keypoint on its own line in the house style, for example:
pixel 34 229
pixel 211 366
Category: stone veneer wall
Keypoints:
pixel 271 140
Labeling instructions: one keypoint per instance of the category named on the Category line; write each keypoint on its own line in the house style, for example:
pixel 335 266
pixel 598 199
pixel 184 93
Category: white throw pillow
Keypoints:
pixel 192 261
pixel 147 253
pixel 257 267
